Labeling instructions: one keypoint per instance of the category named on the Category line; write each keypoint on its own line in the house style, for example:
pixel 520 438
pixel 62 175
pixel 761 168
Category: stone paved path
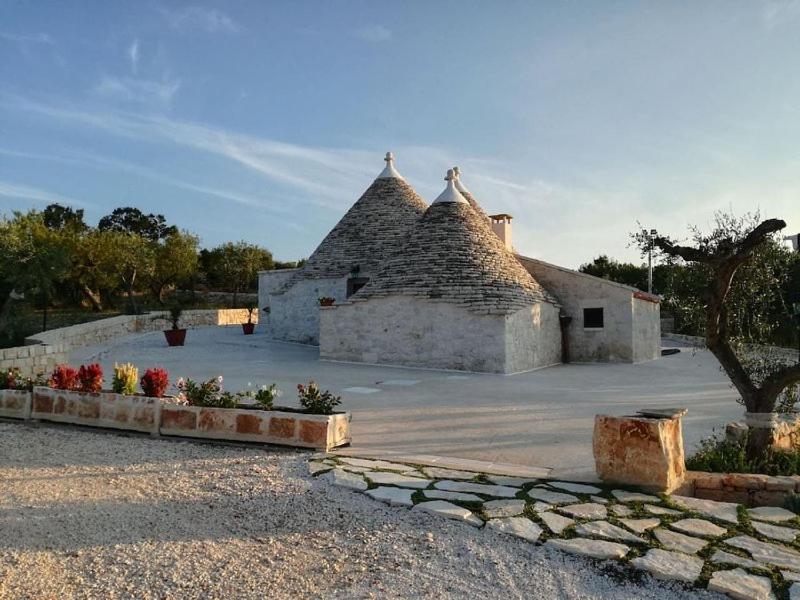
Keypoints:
pixel 751 554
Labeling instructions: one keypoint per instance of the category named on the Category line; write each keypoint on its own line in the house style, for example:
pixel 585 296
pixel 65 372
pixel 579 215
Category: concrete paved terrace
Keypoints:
pixel 539 419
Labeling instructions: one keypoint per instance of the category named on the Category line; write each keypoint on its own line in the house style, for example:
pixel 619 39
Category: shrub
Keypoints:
pixel 263 396
pixel 154 382
pixel 719 454
pixel 9 380
pixel 91 377
pixel 125 376
pixel 316 402
pixel 206 393
pixel 64 377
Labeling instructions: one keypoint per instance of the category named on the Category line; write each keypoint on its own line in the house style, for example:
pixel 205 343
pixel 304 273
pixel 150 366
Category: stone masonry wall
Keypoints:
pixel 533 338
pixel 628 334
pixel 294 314
pixel 408 331
pixel 43 351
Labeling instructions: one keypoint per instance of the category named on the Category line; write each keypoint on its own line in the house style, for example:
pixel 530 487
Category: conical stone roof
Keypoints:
pixel 452 255
pixel 370 232
pixel 467 195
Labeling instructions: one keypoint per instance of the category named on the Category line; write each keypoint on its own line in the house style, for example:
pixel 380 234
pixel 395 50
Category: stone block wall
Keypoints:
pixel 415 332
pixel 43 351
pixel 294 314
pixel 629 334
pixel 749 489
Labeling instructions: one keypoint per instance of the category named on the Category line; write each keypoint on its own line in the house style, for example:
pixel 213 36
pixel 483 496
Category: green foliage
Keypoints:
pixel 206 393
pixel 234 266
pixel 132 220
pixel 173 315
pixel 315 401
pixel 719 454
pixel 263 396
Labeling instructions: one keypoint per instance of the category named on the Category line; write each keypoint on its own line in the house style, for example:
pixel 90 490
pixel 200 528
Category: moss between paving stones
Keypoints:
pixel 620 570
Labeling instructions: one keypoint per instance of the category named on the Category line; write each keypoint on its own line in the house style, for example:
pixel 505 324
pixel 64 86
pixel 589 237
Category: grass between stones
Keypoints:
pixel 620 570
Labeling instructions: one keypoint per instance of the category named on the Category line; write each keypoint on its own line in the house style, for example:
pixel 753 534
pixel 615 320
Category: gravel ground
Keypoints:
pixel 86 514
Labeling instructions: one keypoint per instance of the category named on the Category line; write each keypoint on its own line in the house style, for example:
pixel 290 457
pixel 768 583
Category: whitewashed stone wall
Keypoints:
pixel 294 314
pixel 533 338
pixel 646 330
pixel 629 334
pixel 45 350
pixel 408 331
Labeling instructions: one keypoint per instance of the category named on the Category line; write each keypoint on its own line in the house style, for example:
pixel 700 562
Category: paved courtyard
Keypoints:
pixel 541 419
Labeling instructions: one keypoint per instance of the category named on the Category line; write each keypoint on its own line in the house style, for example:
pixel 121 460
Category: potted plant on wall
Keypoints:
pixel 326 301
pixel 175 335
pixel 248 327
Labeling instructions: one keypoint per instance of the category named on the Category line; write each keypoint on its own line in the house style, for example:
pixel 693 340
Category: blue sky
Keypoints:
pixel 265 121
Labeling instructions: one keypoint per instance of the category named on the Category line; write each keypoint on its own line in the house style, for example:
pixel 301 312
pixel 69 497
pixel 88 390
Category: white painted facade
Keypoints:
pixel 415 332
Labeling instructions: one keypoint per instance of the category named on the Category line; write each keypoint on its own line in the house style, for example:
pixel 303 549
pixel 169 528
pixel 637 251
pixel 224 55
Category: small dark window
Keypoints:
pixel 593 318
pixel 354 284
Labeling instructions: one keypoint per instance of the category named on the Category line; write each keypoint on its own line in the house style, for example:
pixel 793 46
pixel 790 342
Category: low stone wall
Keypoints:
pixel 749 489
pixel 15 404
pixel 160 416
pixel 269 427
pixel 45 350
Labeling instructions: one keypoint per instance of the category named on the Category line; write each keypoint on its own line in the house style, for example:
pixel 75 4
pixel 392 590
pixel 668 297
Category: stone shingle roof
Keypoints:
pixel 452 255
pixel 468 195
pixel 369 233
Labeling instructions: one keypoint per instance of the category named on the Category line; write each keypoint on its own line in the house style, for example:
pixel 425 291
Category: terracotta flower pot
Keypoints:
pixel 248 328
pixel 175 337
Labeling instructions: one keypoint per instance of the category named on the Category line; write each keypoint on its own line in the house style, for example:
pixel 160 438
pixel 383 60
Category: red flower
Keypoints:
pixel 155 382
pixel 91 377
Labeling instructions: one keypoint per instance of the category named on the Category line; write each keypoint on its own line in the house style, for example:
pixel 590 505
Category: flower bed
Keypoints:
pixel 289 428
pixel 15 404
pixel 96 409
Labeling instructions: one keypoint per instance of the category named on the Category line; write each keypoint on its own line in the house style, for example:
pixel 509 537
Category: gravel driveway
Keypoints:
pixel 91 514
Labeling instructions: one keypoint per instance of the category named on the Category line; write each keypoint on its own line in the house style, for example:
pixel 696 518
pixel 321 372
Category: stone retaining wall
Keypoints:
pixel 749 489
pixel 156 416
pixel 45 350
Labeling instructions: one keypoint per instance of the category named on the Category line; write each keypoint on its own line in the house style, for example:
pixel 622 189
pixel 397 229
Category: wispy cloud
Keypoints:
pixel 198 18
pixel 133 55
pixel 157 94
pixel 373 33
pixel 25 192
pixel 26 40
pixel 775 13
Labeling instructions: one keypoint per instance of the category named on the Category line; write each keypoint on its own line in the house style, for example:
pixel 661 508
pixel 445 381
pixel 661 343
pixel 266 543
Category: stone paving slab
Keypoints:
pixel 663 564
pixel 593 548
pixel 516 526
pixel 739 584
pixel 674 542
pixel 449 511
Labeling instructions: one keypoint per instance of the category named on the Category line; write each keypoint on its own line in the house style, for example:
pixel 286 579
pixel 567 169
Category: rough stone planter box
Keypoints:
pixel 15 404
pixel 266 426
pixel 640 451
pixel 101 409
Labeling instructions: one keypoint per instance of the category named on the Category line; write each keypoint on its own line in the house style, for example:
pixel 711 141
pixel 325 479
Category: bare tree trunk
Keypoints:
pixel 92 297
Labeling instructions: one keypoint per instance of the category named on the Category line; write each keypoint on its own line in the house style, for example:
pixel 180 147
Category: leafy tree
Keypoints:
pixel 127 261
pixel 132 220
pixel 610 269
pixel 58 218
pixel 234 267
pixel 742 282
pixel 175 262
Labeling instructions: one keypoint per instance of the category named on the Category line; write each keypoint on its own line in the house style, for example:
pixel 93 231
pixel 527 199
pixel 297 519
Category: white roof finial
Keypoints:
pixel 459 186
pixel 389 172
pixel 450 193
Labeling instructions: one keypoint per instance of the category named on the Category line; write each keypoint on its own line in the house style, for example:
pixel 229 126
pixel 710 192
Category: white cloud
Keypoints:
pixel 133 55
pixel 198 18
pixel 26 40
pixel 775 13
pixel 20 191
pixel 141 91
pixel 373 33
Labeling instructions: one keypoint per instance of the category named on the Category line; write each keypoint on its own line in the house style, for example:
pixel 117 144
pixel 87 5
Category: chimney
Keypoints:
pixel 501 225
pixel 795 239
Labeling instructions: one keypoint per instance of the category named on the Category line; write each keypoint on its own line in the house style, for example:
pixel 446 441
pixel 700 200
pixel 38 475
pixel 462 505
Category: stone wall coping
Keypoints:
pixel 250 411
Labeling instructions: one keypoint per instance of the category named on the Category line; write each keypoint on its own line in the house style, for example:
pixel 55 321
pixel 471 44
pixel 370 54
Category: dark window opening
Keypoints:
pixel 355 283
pixel 593 318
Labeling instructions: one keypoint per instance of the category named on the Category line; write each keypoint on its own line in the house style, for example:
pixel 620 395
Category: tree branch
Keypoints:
pixel 780 380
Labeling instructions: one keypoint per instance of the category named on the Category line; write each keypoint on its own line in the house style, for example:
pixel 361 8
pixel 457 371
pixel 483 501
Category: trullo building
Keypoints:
pixel 441 287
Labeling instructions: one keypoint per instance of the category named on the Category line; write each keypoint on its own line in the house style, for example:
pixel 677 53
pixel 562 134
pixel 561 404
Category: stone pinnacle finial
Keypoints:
pixel 450 193
pixel 389 172
pixel 459 186
pixel 457 172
